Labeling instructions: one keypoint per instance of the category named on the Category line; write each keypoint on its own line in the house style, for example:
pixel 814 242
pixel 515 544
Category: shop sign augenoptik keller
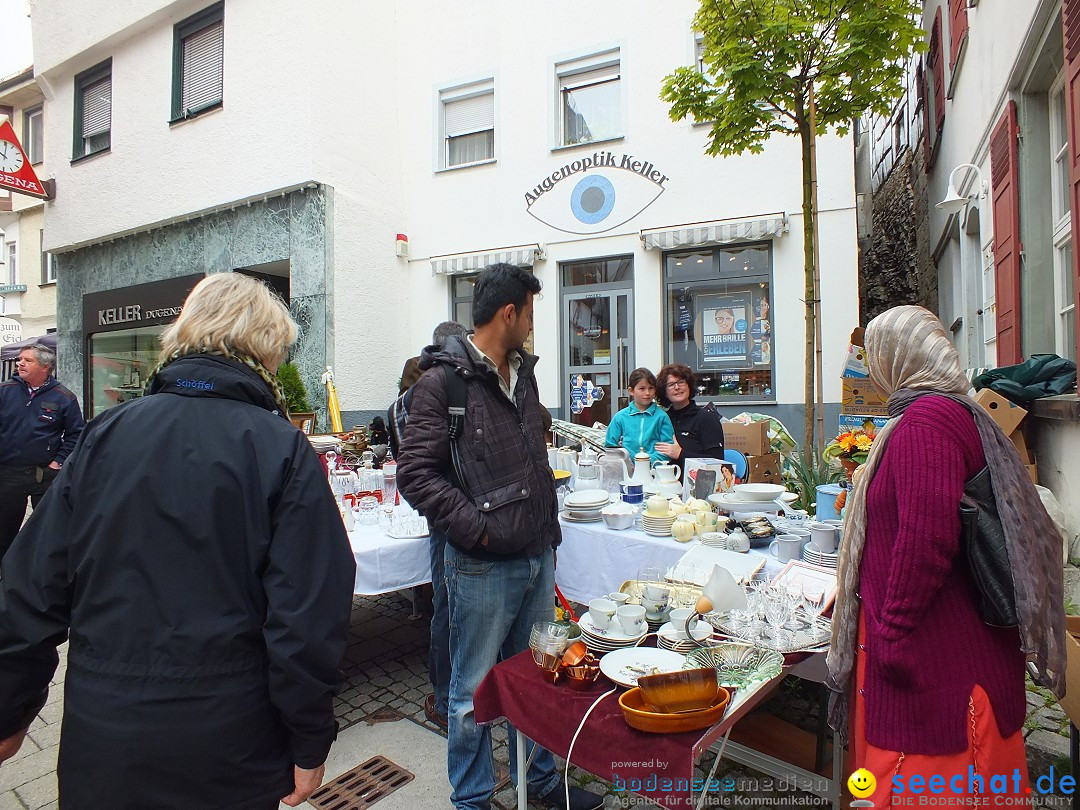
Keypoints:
pixel 16 173
pixel 596 193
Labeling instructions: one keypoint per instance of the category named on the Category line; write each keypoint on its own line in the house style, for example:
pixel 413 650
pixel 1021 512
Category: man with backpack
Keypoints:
pixel 490 490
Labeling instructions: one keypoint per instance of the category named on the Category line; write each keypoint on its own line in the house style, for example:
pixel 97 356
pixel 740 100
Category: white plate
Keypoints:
pixel 624 667
pixel 731 503
pixel 788 497
pixel 571 519
pixel 613 634
pixel 587 497
pixel 702 630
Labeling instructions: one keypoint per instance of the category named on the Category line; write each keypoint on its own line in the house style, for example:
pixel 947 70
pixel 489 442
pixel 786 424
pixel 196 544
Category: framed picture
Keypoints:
pixel 304 421
pixel 725 327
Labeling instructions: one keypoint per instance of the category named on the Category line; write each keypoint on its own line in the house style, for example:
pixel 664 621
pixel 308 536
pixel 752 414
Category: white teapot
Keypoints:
pixel 642 472
pixel 587 473
pixel 666 473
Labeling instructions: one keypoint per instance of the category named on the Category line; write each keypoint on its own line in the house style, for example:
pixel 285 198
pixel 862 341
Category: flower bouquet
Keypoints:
pixel 852 447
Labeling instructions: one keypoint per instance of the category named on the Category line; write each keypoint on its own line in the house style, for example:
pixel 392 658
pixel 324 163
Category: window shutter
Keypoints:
pixel 467 115
pixel 203 60
pixel 1070 13
pixel 958 27
pixel 97 108
pixel 937 70
pixel 1006 193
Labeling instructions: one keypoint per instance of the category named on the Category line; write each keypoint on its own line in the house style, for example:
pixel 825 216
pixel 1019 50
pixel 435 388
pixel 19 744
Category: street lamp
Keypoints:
pixel 954 202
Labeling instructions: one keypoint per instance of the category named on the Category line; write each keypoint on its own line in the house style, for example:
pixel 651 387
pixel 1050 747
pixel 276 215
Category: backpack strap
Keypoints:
pixel 456 398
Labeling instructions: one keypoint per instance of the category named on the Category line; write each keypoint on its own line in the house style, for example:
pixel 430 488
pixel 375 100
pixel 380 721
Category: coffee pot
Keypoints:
pixel 642 469
pixel 587 473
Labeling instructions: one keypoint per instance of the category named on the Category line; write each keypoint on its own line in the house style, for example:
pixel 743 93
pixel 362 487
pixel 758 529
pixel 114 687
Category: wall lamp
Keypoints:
pixel 954 202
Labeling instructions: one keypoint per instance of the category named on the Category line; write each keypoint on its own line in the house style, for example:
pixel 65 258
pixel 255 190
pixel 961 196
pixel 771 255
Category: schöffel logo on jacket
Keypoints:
pixel 199 385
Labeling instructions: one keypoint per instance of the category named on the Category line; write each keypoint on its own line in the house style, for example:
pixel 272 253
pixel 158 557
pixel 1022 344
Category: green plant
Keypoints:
pixel 295 393
pixel 805 473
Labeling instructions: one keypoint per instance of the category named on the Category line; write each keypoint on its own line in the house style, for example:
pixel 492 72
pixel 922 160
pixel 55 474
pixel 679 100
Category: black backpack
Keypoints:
pixel 397 414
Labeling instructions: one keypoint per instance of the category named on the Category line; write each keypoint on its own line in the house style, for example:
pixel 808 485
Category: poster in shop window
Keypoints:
pixel 725 331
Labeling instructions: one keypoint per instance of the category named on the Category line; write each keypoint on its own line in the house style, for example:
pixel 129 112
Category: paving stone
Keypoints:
pixel 39 793
pixel 45 737
pixel 27 769
pixel 10 801
pixel 1050 742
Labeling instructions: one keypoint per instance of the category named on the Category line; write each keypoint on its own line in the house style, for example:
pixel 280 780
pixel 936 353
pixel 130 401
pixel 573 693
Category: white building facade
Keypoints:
pixel 297 141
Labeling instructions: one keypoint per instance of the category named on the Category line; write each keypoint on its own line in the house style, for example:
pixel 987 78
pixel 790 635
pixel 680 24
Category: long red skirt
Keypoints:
pixel 988 754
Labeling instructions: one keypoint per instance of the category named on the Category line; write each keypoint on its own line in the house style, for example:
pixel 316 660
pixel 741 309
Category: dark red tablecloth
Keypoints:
pixel 658 766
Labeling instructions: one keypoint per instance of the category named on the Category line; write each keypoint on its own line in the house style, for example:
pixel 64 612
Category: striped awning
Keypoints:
pixel 456 263
pixel 718 232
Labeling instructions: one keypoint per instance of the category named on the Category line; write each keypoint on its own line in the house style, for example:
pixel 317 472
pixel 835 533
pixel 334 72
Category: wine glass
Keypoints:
pixel 794 594
pixel 777 611
pixel 814 604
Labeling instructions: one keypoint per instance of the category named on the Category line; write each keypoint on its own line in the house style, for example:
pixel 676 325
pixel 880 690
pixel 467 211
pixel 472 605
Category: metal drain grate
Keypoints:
pixel 362 786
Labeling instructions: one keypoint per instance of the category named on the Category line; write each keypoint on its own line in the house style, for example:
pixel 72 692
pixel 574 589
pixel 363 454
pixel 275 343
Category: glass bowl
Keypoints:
pixel 737 664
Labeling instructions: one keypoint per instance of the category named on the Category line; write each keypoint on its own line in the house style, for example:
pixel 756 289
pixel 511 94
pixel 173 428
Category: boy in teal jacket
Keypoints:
pixel 642 423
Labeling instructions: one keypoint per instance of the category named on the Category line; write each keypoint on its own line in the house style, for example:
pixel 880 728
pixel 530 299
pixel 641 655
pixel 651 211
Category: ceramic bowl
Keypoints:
pixel 681 691
pixel 638 715
pixel 758 492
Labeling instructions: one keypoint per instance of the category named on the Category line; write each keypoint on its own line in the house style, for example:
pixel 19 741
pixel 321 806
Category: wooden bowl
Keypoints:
pixel 639 716
pixel 685 690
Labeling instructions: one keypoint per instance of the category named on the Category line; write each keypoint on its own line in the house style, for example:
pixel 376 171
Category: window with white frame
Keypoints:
pixel 93 110
pixel 33 135
pixel 468 123
pixel 198 63
pixel 1061 224
pixel 12 269
pixel 48 264
pixel 590 98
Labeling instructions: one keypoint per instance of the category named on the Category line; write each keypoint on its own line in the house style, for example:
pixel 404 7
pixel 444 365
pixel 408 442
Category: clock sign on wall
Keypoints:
pixel 16 173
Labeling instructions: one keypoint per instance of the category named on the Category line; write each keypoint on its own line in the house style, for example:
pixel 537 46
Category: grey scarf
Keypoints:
pixel 911 356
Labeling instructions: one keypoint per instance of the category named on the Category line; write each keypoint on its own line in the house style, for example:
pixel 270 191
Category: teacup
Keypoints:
pixel 683 530
pixel 824 537
pixel 797 517
pixel 787 547
pixel 601 612
pixel 657 506
pixel 631 618
pixel 656 592
pixel 654 608
pixel 619 598
pixel 678 508
pixel 707 520
pixel 678 619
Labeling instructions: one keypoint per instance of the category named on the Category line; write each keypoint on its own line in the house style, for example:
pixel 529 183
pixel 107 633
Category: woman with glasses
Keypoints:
pixel 698 430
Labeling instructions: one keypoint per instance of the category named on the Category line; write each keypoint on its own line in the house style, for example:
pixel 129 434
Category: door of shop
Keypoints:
pixel 598 353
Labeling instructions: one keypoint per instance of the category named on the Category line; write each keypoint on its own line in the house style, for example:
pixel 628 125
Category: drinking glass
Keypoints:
pixel 777 610
pixel 814 602
pixel 369 509
pixel 794 594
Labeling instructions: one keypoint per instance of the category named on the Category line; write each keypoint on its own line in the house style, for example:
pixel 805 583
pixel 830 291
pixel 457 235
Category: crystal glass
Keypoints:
pixel 794 594
pixel 369 509
pixel 814 604
pixel 777 611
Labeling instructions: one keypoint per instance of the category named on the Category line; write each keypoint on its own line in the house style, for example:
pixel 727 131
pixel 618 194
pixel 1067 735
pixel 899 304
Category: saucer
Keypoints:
pixel 702 630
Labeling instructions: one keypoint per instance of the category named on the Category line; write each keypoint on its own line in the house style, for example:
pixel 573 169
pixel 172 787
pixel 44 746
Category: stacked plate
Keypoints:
pixel 667 637
pixel 584 506
pixel 822 558
pixel 611 638
pixel 658 526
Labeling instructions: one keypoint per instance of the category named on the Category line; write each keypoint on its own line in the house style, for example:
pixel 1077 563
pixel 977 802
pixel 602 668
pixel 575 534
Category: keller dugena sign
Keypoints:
pixel 151 304
pixel 596 192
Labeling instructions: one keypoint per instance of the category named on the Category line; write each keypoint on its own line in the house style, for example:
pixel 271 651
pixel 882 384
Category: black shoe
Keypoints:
pixel 580 799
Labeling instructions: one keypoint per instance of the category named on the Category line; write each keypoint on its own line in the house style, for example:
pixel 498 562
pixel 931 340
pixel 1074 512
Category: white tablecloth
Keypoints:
pixel 385 564
pixel 595 560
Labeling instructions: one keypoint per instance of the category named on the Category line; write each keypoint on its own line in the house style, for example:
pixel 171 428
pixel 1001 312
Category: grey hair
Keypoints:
pixel 448 329
pixel 45 356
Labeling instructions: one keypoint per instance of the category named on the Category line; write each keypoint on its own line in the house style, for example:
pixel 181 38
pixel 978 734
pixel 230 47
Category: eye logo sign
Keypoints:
pixel 614 190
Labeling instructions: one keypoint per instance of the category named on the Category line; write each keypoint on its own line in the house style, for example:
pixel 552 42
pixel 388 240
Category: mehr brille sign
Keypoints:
pixel 596 193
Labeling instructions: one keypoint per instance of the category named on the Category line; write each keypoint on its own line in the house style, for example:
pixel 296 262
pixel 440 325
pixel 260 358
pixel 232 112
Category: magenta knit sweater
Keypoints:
pixel 926 646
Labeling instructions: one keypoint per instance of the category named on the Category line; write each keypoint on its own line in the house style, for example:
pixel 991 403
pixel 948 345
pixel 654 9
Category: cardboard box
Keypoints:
pixel 763 469
pixel 855 363
pixel 1007 414
pixel 751 440
pixel 862 397
pixel 1071 702
pixel 1017 438
pixel 851 421
pixel 693 467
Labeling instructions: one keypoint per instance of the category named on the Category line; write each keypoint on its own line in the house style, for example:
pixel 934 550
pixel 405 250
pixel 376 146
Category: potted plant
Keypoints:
pixel 296 400
pixel 805 473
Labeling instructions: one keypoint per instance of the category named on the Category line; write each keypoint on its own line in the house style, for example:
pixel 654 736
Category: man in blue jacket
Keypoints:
pixel 40 422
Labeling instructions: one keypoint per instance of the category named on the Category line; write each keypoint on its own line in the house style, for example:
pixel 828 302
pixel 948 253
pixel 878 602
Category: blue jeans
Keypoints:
pixel 439 643
pixel 493 606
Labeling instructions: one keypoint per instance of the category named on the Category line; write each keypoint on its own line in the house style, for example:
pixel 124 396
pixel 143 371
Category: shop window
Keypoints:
pixel 34 135
pixel 198 63
pixel 461 298
pixel 590 99
pixel 119 365
pixel 718 320
pixel 600 271
pixel 468 124
pixel 93 111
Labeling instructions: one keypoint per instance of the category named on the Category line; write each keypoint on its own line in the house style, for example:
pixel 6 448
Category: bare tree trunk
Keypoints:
pixel 819 399
pixel 809 291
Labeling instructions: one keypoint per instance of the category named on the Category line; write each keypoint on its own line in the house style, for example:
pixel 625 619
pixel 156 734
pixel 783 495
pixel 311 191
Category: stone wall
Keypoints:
pixel 894 261
pixel 294 227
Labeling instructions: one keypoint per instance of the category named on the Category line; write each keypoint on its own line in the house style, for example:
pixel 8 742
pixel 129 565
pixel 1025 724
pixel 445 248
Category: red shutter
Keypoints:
pixel 937 72
pixel 1070 13
pixel 1005 189
pixel 958 28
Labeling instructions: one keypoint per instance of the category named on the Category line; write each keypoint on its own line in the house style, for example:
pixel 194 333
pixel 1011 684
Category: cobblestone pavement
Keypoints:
pixel 386 677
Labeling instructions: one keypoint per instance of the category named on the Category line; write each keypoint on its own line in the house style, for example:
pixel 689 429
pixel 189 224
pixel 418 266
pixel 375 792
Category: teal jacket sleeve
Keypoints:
pixel 664 432
pixel 614 432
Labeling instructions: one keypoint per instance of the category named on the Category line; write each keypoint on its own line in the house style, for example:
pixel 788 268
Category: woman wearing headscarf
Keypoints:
pixel 193 552
pixel 927 687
